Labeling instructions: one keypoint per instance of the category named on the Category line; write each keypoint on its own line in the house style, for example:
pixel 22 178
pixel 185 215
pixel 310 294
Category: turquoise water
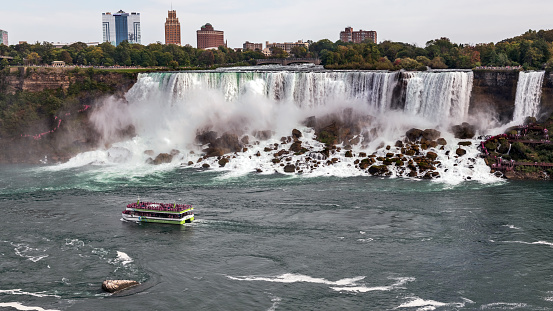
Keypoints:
pixel 273 242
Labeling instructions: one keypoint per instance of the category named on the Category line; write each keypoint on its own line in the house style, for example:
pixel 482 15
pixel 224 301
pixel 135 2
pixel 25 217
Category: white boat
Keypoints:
pixel 164 213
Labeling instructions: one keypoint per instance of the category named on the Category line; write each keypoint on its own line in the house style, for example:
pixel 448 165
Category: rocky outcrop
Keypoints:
pixel 463 131
pixel 113 286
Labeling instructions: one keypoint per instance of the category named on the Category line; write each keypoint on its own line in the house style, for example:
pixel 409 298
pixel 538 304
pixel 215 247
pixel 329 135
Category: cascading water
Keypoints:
pixel 528 96
pixel 168 110
pixel 439 96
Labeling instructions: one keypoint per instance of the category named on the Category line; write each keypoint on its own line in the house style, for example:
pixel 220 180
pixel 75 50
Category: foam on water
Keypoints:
pixel 19 306
pixel 428 305
pixel 123 258
pixel 19 291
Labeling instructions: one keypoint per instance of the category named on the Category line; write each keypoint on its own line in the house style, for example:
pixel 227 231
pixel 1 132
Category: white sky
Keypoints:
pixel 410 21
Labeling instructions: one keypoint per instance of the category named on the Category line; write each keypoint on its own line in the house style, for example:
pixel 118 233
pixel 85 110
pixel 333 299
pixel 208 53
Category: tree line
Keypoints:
pixel 531 50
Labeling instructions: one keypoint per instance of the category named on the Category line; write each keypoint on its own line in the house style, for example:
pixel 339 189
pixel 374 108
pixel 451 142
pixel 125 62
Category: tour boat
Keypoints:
pixel 165 213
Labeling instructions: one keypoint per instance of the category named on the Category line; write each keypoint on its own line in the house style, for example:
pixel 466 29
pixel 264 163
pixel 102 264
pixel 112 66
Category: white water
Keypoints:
pixel 528 96
pixel 168 110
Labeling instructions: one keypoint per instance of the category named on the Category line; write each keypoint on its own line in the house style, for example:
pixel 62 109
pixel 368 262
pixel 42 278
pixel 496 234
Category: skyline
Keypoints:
pixel 286 21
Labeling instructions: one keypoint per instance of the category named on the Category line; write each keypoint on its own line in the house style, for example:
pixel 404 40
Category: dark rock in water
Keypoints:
pixel 348 154
pixel 207 137
pixel 174 152
pixel 263 135
pixel 399 144
pixel 244 149
pixel 378 170
pixel 413 173
pixel 296 134
pixel 463 131
pixel 149 161
pixel 258 170
pixel 413 134
pixel 460 152
pixel 441 141
pixel 431 155
pixel 245 140
pixel 465 143
pixel 362 154
pixel 223 162
pixel 227 143
pixel 258 154
pixel 296 146
pixel 267 149
pixel 290 168
pixel 190 163
pixel 113 286
pixel 149 152
pixel 163 158
pixel 205 165
pixel 431 134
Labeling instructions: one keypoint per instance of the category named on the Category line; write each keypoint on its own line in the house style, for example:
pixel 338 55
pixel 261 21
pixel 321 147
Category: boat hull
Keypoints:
pixel 181 221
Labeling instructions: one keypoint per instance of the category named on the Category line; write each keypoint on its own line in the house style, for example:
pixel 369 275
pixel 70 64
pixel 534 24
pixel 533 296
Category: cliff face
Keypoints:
pixel 52 116
pixel 494 91
pixel 547 95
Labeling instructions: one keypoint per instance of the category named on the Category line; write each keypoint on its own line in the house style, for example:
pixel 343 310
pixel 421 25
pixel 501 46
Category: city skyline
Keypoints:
pixel 286 21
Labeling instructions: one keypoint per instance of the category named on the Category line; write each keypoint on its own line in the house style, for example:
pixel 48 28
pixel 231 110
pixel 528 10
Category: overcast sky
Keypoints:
pixel 410 21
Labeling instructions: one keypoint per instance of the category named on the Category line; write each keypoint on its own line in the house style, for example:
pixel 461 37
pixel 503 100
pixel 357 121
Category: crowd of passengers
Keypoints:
pixel 160 206
pixel 148 214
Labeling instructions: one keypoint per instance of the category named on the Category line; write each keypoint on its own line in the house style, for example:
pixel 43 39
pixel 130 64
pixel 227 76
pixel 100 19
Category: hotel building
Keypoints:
pixel 172 29
pixel 348 35
pixel 208 38
pixel 121 26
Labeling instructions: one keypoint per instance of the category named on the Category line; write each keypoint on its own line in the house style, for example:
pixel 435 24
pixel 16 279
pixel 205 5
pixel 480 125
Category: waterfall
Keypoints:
pixel 439 96
pixel 528 96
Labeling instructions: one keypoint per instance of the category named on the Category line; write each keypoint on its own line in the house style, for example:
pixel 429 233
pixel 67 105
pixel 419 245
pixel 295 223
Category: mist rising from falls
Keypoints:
pixel 168 110
pixel 528 96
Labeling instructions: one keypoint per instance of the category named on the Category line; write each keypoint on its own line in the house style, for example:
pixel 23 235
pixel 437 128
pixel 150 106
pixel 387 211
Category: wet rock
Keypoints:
pixel 112 286
pixel 441 141
pixel 163 158
pixel 460 152
pixel 311 122
pixel 399 144
pixel 258 154
pixel 258 170
pixel 413 134
pixel 223 162
pixel 296 134
pixel 296 146
pixel 244 149
pixel 290 168
pixel 267 149
pixel 207 137
pixel 245 140
pixel 465 143
pixel 205 165
pixel 379 170
pixel 366 163
pixel 348 154
pixel 190 163
pixel 463 131
pixel 530 120
pixel 431 134
pixel 431 155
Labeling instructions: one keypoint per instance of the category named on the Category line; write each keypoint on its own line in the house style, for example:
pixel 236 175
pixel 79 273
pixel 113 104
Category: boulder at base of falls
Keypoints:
pixel 290 168
pixel 223 162
pixel 441 141
pixel 431 134
pixel 163 158
pixel 413 134
pixel 379 170
pixel 460 152
pixel 463 131
pixel 112 286
pixel 296 134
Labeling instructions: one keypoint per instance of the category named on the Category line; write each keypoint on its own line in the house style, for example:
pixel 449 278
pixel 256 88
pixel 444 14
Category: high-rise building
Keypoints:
pixel 172 28
pixel 252 46
pixel 209 38
pixel 348 35
pixel 3 37
pixel 121 26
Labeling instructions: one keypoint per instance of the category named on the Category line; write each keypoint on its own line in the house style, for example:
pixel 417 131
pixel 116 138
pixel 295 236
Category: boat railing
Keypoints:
pixel 160 206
